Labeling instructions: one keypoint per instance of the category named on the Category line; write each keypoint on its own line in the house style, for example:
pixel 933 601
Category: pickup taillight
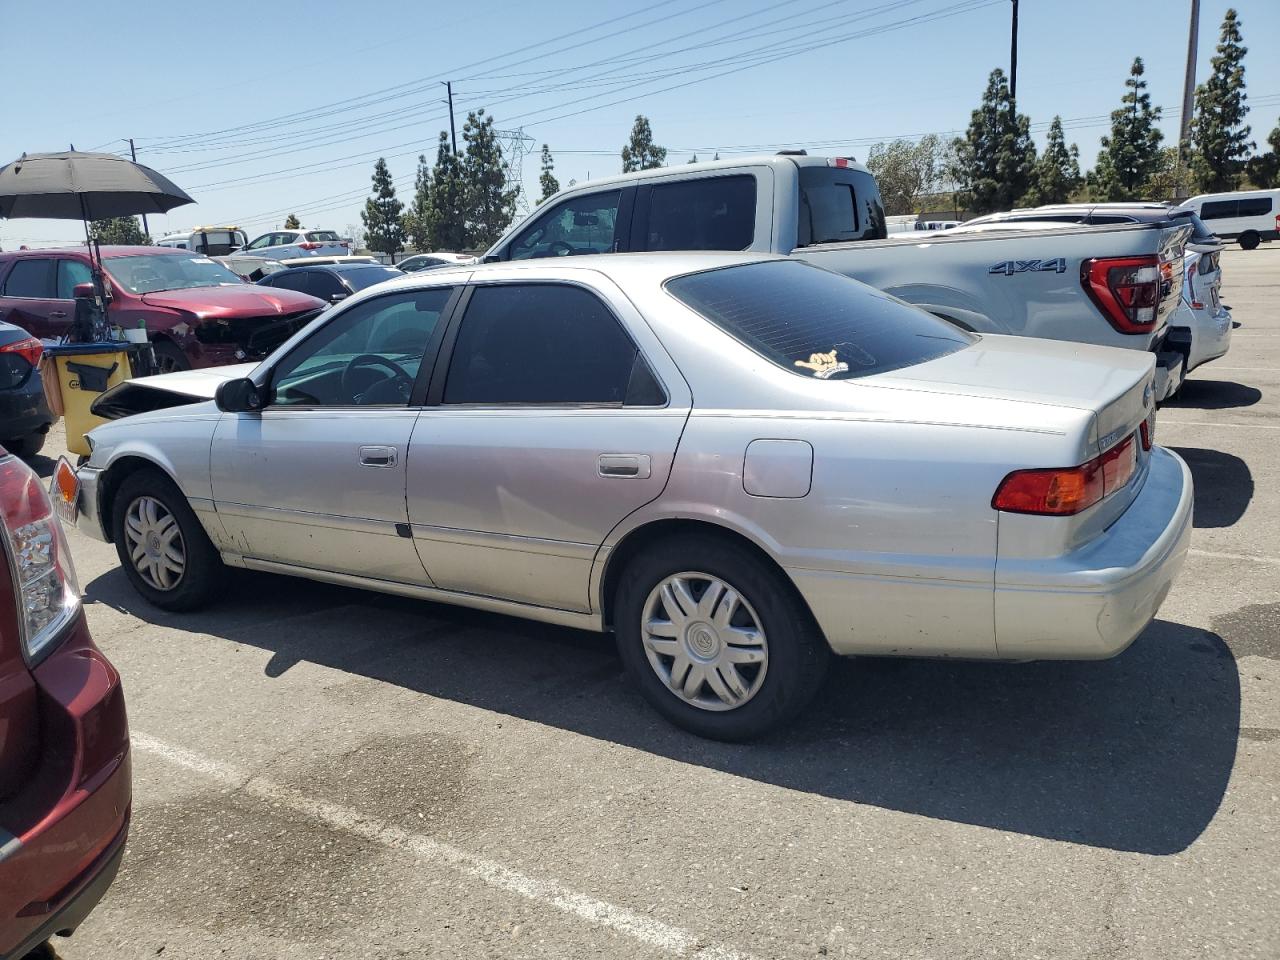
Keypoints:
pixel 1127 290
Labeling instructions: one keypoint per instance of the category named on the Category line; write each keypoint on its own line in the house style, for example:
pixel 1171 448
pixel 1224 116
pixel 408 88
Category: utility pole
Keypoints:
pixel 453 130
pixel 1013 62
pixel 134 154
pixel 1188 100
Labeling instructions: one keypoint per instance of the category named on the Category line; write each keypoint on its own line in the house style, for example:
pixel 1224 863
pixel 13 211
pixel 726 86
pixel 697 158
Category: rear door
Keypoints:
pixel 29 299
pixel 555 420
pixel 701 213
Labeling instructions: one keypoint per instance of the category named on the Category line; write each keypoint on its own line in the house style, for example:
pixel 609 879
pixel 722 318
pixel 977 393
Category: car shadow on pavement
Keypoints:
pixel 1214 395
pixel 1130 754
pixel 1223 486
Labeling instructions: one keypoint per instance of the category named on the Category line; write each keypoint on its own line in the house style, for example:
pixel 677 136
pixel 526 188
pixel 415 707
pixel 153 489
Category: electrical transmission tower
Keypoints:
pixel 515 145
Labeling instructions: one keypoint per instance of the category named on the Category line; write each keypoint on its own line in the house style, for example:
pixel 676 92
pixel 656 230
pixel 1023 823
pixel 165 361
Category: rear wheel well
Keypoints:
pixel 642 538
pixel 110 483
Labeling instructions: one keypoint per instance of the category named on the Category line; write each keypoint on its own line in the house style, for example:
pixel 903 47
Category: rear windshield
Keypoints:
pixel 323 236
pixel 815 323
pixel 1200 233
pixel 838 204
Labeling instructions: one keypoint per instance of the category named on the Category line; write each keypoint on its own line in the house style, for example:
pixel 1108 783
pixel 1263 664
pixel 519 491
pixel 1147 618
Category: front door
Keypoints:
pixel 548 430
pixel 317 479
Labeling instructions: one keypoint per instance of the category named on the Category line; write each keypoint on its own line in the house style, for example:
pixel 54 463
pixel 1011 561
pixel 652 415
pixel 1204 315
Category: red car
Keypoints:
pixel 197 312
pixel 65 786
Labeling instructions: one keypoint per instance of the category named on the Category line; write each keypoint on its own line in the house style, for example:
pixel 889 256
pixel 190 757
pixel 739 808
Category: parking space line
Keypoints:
pixel 647 930
pixel 1212 423
pixel 1214 554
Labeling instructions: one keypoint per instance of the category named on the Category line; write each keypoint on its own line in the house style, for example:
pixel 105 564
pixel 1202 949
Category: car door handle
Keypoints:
pixel 378 456
pixel 61 314
pixel 624 466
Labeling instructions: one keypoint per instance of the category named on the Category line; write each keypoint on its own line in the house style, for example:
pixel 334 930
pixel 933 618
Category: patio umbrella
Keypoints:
pixel 75 185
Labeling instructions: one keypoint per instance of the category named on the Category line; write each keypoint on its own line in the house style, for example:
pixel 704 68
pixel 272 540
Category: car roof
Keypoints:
pixel 772 159
pixel 338 267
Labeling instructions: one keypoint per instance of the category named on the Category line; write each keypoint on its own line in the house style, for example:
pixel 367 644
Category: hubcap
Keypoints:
pixel 155 543
pixel 704 641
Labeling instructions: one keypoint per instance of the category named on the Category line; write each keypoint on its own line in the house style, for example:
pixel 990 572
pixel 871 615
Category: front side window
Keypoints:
pixel 148 273
pixel 579 225
pixel 815 323
pixel 30 278
pixel 708 213
pixel 260 242
pixel 289 280
pixel 70 273
pixel 542 344
pixel 366 356
pixel 1218 209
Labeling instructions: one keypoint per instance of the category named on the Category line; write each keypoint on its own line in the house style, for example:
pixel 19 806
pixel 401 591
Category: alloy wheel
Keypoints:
pixel 155 543
pixel 704 641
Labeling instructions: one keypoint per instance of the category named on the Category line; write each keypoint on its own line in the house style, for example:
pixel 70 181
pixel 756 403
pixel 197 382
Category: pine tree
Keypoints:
pixel 547 179
pixel 995 159
pixel 1219 135
pixel 417 219
pixel 121 230
pixel 1131 155
pixel 383 231
pixel 490 203
pixel 1264 169
pixel 446 205
pixel 292 222
pixel 1057 172
pixel 641 153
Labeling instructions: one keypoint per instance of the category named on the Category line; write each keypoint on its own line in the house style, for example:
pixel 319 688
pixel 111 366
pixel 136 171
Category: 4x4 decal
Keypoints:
pixel 1010 267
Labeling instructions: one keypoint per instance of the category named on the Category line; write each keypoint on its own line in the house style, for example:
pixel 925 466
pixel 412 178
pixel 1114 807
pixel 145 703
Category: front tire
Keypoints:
pixel 716 639
pixel 169 357
pixel 1249 240
pixel 164 550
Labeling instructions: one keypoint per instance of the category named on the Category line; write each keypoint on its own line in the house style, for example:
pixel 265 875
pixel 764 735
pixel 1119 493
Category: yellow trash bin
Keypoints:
pixel 85 371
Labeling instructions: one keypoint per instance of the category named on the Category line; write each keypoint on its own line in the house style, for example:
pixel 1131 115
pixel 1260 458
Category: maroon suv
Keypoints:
pixel 65 786
pixel 197 312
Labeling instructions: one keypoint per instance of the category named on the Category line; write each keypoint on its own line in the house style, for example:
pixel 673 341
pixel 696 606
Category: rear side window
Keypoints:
pixel 1254 206
pixel 544 344
pixel 709 213
pixel 30 278
pixel 838 204
pixel 814 323
pixel 1218 209
pixel 1098 219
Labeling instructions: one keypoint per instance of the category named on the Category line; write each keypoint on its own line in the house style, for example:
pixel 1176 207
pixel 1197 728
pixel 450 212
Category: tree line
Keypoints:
pixel 995 166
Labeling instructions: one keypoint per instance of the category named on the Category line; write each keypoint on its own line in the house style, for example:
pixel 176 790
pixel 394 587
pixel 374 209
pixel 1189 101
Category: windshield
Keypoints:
pixel 368 276
pixel 815 323
pixel 148 274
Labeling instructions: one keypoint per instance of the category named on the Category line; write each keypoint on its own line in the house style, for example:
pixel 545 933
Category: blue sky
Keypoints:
pixel 260 109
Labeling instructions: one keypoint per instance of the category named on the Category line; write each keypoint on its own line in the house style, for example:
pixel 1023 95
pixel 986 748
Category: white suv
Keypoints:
pixel 290 244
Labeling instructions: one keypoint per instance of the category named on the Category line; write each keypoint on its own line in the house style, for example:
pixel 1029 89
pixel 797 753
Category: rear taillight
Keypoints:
pixel 1189 287
pixel 1067 491
pixel 46 579
pixel 1126 289
pixel 29 349
pixel 1145 432
pixel 309 245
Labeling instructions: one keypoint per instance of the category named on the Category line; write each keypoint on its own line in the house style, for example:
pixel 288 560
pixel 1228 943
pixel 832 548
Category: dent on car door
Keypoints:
pixel 550 427
pixel 317 479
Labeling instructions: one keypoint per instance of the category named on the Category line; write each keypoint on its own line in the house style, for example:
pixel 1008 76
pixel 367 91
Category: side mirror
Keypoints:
pixel 83 291
pixel 239 396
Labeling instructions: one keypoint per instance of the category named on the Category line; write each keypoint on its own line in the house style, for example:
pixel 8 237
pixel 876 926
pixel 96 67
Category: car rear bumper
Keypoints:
pixel 1093 602
pixel 23 410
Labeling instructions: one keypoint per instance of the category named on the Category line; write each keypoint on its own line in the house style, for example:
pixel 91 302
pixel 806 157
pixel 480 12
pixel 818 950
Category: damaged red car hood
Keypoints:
pixel 234 301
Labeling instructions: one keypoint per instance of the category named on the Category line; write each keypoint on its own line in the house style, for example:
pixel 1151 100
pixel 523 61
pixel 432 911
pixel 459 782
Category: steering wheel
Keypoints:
pixel 561 249
pixel 399 377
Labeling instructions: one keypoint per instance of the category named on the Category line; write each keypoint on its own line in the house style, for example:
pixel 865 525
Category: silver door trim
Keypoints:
pixel 505 541
pixel 249 511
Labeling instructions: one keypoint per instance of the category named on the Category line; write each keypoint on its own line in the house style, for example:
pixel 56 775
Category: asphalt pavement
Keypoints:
pixel 322 772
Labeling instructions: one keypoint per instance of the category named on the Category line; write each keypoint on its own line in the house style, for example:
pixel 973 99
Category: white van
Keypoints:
pixel 211 241
pixel 1247 216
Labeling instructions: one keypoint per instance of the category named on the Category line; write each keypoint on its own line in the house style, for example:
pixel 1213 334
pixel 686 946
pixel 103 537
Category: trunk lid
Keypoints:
pixel 1114 383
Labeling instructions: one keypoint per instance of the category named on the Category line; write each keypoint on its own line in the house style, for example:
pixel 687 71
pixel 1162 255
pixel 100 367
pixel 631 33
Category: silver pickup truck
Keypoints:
pixel 1111 285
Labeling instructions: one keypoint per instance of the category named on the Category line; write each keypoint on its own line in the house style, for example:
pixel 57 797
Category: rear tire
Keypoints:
pixel 164 550
pixel 26 446
pixel 759 656
pixel 169 357
pixel 1249 240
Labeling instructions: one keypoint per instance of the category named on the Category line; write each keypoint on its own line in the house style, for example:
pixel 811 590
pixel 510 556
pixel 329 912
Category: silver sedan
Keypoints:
pixel 737 464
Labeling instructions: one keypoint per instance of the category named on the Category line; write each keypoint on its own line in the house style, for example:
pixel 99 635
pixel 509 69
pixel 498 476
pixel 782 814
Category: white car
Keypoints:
pixel 739 464
pixel 288 244
pixel 1247 216
pixel 1201 321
